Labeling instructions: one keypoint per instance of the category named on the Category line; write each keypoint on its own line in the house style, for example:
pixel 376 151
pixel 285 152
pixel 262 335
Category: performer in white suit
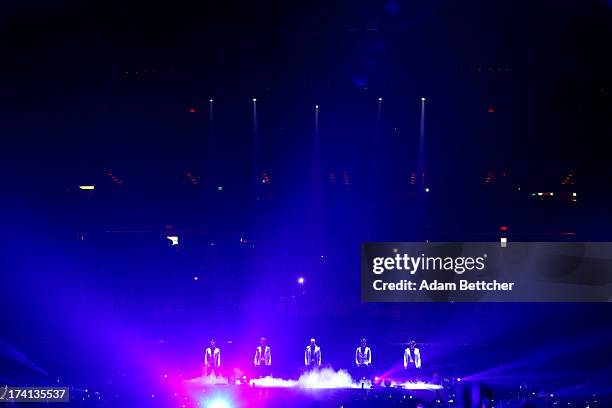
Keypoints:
pixel 312 356
pixel 263 358
pixel 212 359
pixel 412 357
pixel 363 360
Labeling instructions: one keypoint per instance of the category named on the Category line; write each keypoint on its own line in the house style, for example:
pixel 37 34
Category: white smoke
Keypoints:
pixel 272 382
pixel 325 378
pixel 417 385
pixel 316 379
pixel 208 380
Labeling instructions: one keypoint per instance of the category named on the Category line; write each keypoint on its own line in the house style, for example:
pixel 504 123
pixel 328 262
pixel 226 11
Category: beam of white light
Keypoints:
pixel 218 403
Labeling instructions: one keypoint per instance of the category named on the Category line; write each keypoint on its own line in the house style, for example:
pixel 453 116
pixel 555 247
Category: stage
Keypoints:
pixel 245 395
pixel 325 387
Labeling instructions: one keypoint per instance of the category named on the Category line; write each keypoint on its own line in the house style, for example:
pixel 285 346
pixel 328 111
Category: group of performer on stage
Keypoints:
pixel 312 358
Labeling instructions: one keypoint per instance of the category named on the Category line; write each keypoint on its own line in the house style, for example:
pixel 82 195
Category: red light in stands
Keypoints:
pixel 192 110
pixel 489 178
pixel 190 177
pixel 332 177
pixel 413 178
pixel 503 228
pixel 569 179
pixel 114 178
pixel 346 180
pixel 491 109
pixel 265 177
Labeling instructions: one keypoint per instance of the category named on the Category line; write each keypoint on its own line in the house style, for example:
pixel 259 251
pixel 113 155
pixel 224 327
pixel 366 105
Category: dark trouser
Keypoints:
pixel 262 370
pixel 412 373
pixel 362 372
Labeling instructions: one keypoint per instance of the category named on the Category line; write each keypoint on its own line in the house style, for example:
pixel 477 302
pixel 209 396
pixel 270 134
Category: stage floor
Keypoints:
pixel 246 395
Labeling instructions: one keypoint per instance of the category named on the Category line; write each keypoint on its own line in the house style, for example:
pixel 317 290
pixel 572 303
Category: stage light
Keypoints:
pixel 210 100
pixel 254 100
pixel 503 242
pixel 300 280
pixel 219 188
pixel 458 379
pixel 195 278
pixel 379 99
pixel 427 189
pixel 316 106
pixel 218 403
pixel 87 187
pixel 173 238
pixel 422 99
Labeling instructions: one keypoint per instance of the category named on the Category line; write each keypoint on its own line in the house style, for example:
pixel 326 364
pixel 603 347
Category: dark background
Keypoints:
pixel 116 94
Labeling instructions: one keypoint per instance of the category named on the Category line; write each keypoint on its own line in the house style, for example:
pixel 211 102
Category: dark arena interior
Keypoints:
pixel 180 172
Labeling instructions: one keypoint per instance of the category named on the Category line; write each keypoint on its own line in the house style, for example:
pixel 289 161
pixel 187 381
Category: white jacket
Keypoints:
pixel 212 358
pixel 410 359
pixel 310 359
pixel 363 356
pixel 266 358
